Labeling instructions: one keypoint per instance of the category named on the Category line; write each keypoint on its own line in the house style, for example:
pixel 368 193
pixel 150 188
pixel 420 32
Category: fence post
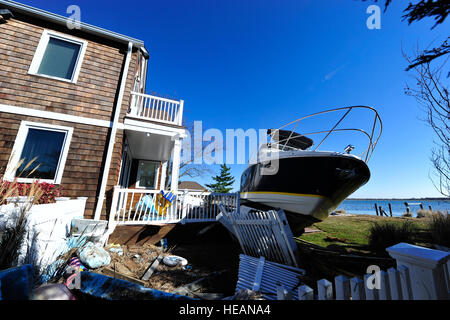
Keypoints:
pixel 385 292
pixel 342 285
pixel 394 284
pixel 376 209
pixel 390 209
pixel 405 282
pixel 427 270
pixel 371 294
pixel 305 293
pixel 325 289
pixel 283 294
pixel 357 288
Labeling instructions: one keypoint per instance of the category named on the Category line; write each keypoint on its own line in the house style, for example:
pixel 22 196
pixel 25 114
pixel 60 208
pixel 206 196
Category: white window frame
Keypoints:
pixel 20 142
pixel 139 173
pixel 42 46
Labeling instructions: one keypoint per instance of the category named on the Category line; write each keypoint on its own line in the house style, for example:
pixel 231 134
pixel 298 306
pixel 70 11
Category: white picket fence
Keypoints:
pixel 47 230
pixel 395 284
pixel 262 233
pixel 137 207
pixel 421 274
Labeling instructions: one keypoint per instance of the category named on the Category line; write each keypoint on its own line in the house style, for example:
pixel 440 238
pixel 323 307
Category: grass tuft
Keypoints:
pixel 384 234
pixel 440 229
pixel 424 213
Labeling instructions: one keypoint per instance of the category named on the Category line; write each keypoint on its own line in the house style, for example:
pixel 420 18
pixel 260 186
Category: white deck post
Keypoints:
pixel 180 113
pixel 162 185
pixel 176 164
pixel 113 211
pixel 133 105
pixel 427 268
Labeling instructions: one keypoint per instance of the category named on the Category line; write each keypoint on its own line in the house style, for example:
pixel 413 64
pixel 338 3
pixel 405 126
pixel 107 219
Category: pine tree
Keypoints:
pixel 224 181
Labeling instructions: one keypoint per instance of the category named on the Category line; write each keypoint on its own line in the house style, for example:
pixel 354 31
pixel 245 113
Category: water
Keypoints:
pixel 398 206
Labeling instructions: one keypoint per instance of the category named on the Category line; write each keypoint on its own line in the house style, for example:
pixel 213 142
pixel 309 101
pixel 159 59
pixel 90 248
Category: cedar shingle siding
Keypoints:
pixel 93 96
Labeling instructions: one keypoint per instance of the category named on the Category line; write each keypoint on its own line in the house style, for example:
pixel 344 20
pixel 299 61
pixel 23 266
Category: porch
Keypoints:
pixel 139 207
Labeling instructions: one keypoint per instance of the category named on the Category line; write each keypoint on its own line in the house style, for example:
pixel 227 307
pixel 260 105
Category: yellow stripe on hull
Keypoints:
pixel 286 194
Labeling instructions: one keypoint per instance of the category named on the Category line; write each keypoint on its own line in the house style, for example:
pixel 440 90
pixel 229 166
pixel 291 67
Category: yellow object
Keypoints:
pixel 161 205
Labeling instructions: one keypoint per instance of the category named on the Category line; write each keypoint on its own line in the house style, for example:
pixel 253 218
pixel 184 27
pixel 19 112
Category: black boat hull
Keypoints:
pixel 308 187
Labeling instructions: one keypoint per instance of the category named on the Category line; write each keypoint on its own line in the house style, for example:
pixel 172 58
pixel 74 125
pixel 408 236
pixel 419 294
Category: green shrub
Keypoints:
pixel 440 229
pixel 384 234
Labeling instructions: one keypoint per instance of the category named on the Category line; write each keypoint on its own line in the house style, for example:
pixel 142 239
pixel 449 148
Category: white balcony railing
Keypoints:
pixel 137 207
pixel 154 108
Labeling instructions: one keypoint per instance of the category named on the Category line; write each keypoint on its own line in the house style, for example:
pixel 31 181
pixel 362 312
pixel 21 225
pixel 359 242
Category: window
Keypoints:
pixel 58 56
pixel 48 145
pixel 147 174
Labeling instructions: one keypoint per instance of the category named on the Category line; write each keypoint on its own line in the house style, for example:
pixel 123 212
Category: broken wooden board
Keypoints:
pixel 311 230
pixel 152 268
pixel 139 235
pixel 111 273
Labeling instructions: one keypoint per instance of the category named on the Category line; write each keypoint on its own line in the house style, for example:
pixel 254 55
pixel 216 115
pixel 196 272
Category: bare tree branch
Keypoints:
pixel 432 94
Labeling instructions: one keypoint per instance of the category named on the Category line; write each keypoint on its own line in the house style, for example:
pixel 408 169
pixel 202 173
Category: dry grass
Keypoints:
pixel 440 229
pixel 424 213
pixel 12 237
pixel 384 234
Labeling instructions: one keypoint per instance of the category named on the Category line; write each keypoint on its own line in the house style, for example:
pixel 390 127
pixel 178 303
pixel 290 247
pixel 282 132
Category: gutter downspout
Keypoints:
pixel 112 139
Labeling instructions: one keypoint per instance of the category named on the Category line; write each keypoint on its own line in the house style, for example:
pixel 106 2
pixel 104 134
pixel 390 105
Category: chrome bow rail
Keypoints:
pixel 282 144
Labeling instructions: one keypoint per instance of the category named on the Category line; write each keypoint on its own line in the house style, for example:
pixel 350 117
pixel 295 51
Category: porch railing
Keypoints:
pixel 137 207
pixel 159 109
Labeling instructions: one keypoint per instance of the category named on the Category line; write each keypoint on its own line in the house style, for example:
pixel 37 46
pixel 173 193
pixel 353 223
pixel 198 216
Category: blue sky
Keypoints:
pixel 260 64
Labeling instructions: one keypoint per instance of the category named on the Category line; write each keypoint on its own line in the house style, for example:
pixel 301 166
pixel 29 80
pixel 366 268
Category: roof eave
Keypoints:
pixel 61 20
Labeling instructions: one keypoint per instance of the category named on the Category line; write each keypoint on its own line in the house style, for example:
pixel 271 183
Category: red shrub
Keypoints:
pixel 50 191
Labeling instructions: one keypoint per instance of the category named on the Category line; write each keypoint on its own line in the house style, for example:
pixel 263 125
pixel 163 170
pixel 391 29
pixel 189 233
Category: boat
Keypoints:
pixel 291 173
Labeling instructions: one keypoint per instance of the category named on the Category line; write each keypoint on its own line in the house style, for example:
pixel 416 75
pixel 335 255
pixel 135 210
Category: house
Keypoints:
pixel 75 100
pixel 191 186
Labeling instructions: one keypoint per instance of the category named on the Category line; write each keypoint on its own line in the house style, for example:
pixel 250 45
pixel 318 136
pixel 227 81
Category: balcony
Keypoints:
pixel 148 107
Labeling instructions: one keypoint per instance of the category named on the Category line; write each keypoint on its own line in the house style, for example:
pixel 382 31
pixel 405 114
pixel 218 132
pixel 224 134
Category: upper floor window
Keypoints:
pixel 45 147
pixel 58 56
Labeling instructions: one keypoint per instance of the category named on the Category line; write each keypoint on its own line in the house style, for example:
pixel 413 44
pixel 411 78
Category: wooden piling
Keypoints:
pixel 382 213
pixel 407 207
pixel 390 209
pixel 376 209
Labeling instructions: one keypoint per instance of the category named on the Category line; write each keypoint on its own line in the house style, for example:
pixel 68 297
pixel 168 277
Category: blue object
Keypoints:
pixel 108 288
pixel 16 283
pixel 145 204
pixel 164 243
pixel 93 257
pixel 169 196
